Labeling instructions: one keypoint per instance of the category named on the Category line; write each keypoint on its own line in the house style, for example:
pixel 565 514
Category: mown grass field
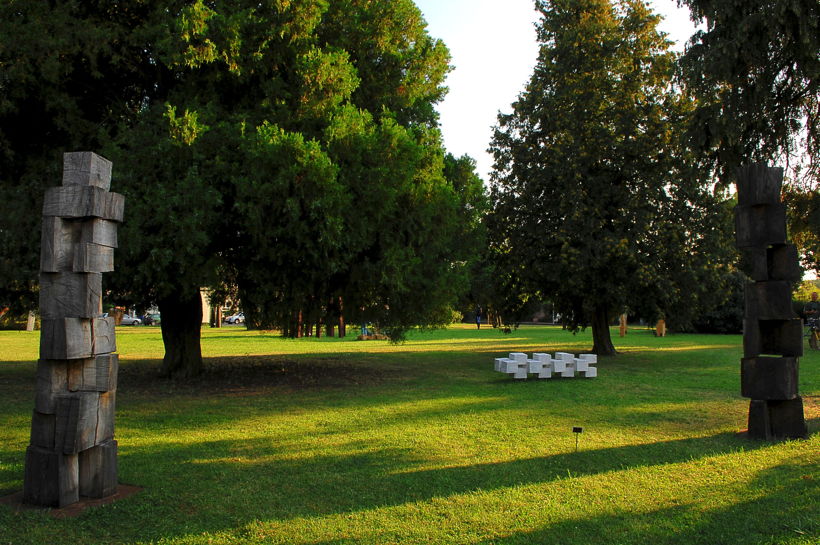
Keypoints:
pixel 337 441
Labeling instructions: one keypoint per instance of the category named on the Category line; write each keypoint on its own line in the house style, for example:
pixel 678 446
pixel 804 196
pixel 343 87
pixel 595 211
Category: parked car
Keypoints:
pixel 238 318
pixel 127 319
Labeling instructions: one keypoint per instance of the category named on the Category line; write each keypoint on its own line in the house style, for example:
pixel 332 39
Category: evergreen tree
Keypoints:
pixel 596 205
pixel 756 72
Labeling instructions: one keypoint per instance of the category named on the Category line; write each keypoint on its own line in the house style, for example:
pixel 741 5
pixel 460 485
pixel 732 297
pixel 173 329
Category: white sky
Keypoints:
pixel 493 49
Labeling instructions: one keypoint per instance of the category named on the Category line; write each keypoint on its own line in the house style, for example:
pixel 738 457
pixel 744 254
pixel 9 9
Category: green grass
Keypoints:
pixel 336 441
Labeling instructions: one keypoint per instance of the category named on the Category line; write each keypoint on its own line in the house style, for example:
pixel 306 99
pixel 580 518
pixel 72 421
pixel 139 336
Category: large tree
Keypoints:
pixel 596 205
pixel 287 151
pixel 756 71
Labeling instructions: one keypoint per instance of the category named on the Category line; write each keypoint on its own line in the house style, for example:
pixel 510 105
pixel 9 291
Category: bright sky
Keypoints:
pixel 493 49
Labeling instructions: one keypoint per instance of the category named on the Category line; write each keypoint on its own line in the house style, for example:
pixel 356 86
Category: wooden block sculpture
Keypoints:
pixel 73 452
pixel 772 332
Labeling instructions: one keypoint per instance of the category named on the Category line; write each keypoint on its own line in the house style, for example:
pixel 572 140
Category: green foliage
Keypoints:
pixel 597 205
pixel 726 316
pixel 286 152
pixel 756 72
pixel 803 209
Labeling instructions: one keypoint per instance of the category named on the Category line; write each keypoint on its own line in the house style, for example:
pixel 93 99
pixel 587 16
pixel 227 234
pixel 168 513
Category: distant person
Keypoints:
pixel 812 313
pixel 812 308
pixel 478 317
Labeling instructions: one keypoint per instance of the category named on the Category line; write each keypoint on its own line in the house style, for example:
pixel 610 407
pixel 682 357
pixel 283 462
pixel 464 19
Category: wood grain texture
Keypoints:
pixel 99 231
pixel 773 337
pixel 760 226
pixel 51 478
pixel 758 183
pixel 98 470
pixel 65 339
pixel 104 337
pixel 52 379
pixel 770 300
pixel 768 378
pixel 70 295
pixel 92 258
pixel 86 168
pixel 76 201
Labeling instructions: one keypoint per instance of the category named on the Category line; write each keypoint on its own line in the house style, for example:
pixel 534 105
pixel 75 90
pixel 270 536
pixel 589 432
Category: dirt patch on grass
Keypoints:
pixel 254 374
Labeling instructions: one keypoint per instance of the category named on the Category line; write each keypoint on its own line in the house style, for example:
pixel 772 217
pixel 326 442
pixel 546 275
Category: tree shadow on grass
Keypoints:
pixel 783 511
pixel 283 488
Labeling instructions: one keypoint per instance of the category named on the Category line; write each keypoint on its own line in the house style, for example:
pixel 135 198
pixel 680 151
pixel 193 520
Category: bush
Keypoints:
pixel 728 317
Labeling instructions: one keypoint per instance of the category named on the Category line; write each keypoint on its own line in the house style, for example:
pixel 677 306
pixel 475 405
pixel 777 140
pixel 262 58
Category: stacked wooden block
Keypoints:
pixel 772 332
pixel 73 452
pixel 544 366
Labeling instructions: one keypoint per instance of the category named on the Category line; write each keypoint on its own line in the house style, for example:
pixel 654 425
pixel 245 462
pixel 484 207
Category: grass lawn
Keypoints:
pixel 336 441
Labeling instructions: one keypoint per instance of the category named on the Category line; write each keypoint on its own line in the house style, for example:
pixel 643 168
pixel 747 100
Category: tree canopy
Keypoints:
pixel 287 152
pixel 596 204
pixel 756 72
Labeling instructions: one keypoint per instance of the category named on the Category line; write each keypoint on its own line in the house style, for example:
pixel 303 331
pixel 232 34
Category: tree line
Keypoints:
pixel 288 155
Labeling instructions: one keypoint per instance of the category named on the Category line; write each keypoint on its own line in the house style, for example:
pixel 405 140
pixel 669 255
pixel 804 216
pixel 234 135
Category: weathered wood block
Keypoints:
pixel 758 183
pixel 754 264
pixel 70 295
pixel 97 374
pixel 105 417
pixel 66 339
pixel 76 427
pixel 759 425
pixel 783 263
pixel 93 258
pixel 770 300
pixel 76 201
pixel 99 231
pixel 775 337
pixel 105 341
pixel 778 262
pixel 58 239
pixel 98 470
pixel 86 168
pixel 51 478
pixel 42 430
pixel 760 226
pixel 52 379
pixel 768 378
pixel 786 419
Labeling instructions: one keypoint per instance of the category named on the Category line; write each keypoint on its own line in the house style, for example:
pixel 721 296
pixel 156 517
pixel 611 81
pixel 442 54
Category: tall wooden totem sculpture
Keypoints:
pixel 772 332
pixel 73 452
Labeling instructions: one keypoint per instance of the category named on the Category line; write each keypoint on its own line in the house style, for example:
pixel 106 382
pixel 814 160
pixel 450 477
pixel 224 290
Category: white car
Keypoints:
pixel 238 318
pixel 130 320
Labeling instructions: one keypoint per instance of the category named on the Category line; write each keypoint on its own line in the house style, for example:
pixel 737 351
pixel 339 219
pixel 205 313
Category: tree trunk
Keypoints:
pixel 342 330
pixel 30 321
pixel 181 324
pixel 602 341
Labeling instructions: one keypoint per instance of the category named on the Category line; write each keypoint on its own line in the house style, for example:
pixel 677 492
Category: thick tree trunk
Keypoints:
pixel 601 339
pixel 181 324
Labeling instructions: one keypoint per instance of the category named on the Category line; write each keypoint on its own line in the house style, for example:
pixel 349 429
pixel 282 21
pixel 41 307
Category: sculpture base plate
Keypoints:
pixel 15 501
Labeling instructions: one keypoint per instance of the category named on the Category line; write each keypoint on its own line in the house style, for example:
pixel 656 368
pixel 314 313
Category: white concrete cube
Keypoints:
pixel 591 372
